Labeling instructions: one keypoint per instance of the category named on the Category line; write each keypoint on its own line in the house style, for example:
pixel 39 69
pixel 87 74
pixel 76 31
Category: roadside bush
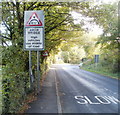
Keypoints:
pixel 15 79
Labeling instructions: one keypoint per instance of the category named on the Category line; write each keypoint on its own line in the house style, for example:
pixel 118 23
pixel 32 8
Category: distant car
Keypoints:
pixel 80 65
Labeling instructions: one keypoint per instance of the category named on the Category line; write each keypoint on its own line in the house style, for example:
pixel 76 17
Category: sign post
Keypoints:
pixel 30 70
pixel 96 59
pixel 34 39
pixel 38 71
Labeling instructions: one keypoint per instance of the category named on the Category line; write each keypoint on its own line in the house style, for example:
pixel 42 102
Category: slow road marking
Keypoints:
pixel 97 100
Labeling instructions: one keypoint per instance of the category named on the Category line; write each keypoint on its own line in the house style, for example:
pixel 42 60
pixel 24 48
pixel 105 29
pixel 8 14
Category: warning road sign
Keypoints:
pixel 45 53
pixel 34 20
pixel 34 30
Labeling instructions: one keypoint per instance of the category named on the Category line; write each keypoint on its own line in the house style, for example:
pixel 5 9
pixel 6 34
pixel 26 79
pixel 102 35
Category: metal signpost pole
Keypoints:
pixel 96 60
pixel 30 69
pixel 38 71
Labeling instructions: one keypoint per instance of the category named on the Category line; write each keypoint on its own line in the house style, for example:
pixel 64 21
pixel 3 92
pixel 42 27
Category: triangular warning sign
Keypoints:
pixel 34 20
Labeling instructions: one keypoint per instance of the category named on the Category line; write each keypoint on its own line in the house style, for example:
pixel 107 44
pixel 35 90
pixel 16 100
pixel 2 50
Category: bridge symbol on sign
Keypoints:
pixel 34 20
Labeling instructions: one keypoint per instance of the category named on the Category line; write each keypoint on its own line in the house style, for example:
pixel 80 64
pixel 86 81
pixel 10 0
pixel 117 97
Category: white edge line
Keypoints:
pixel 58 97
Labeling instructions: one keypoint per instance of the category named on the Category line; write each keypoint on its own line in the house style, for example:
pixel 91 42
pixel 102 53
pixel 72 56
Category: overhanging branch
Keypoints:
pixel 6 26
pixel 59 24
pixel 5 37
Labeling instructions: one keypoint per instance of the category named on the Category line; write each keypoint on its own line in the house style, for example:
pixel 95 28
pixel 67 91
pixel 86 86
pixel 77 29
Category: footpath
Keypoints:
pixel 47 100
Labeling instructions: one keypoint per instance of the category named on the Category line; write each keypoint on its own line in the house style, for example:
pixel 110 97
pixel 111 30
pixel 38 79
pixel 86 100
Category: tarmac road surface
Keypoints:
pixel 73 90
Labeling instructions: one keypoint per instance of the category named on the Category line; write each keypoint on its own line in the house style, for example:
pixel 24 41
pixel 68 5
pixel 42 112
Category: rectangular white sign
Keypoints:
pixel 33 38
pixel 34 30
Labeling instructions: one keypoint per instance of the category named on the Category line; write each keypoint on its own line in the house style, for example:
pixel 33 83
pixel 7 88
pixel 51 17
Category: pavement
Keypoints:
pixel 70 90
pixel 47 100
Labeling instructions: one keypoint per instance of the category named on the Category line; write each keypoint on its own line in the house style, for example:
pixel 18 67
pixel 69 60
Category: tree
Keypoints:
pixel 59 25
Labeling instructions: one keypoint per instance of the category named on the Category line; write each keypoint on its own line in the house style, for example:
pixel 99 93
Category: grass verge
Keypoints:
pixel 102 71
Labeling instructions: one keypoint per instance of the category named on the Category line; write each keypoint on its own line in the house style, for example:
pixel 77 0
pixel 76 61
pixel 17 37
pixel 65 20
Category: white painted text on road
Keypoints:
pixel 97 100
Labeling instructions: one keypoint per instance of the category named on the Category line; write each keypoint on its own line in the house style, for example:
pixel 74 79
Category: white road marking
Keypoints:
pixel 106 89
pixel 112 99
pixel 83 101
pixel 89 101
pixel 58 97
pixel 99 99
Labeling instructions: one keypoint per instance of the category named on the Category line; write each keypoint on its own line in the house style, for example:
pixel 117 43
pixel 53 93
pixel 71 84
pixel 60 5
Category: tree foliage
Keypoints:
pixel 59 27
pixel 60 32
pixel 106 16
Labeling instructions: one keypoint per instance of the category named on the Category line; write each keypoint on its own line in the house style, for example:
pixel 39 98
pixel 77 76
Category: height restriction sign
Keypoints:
pixel 34 30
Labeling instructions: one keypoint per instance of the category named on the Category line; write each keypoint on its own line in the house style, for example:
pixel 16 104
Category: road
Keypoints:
pixel 80 91
pixel 69 89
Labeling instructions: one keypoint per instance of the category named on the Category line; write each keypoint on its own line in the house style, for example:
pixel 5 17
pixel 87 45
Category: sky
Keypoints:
pixel 106 1
pixel 91 27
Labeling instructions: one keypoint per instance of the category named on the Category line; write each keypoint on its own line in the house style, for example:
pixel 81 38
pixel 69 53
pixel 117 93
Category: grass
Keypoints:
pixel 101 70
